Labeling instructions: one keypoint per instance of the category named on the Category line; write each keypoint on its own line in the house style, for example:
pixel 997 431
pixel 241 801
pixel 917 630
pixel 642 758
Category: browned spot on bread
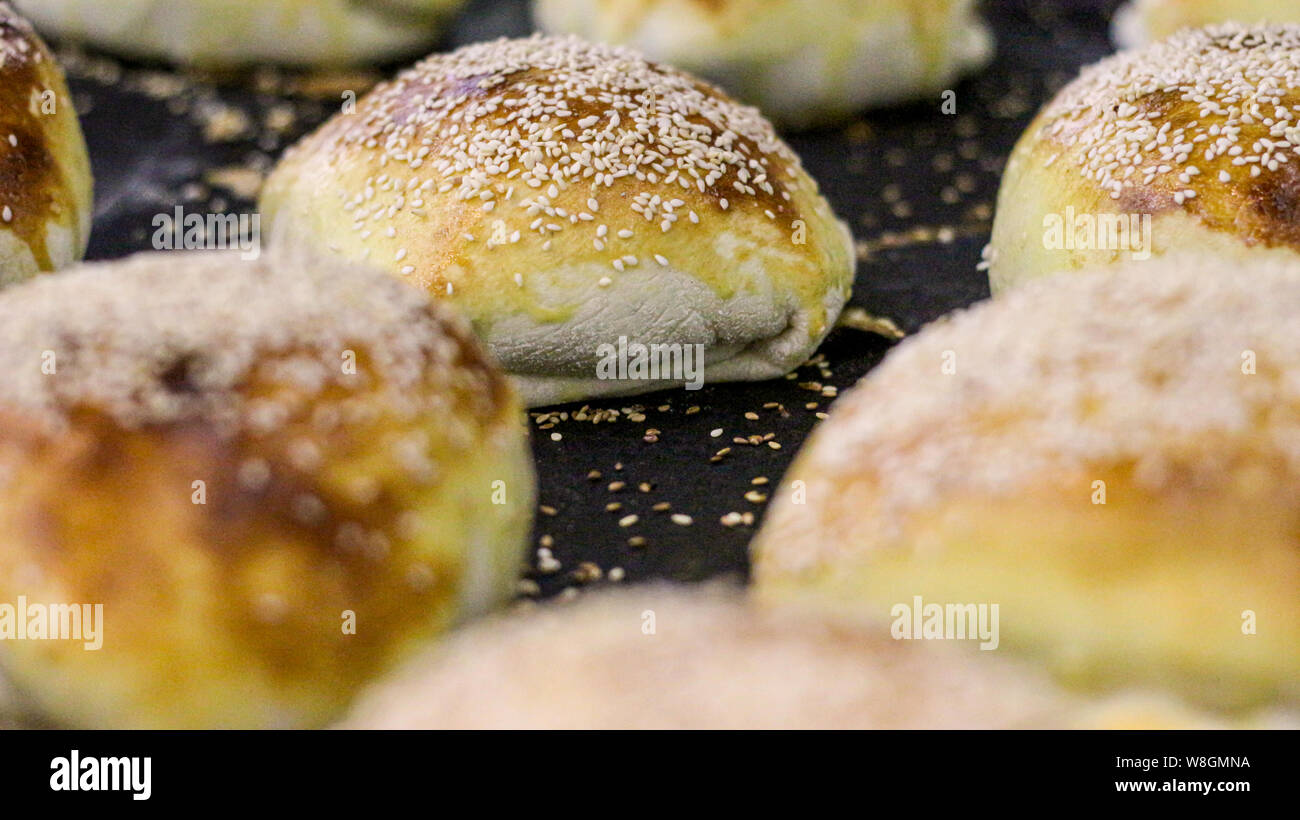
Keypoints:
pixel 33 187
pixel 1274 202
pixel 1206 122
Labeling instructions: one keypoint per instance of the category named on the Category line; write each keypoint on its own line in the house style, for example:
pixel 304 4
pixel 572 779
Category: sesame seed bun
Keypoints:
pixel 662 658
pixel 220 33
pixel 1112 457
pixel 1142 21
pixel 562 195
pixel 803 62
pixel 45 184
pixel 357 453
pixel 1199 132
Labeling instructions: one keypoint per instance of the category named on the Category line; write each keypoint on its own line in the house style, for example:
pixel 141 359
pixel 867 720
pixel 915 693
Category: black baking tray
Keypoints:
pixel 917 186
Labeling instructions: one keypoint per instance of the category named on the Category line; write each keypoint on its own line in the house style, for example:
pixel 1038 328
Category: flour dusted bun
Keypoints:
pixel 803 62
pixel 45 185
pixel 563 195
pixel 217 33
pixel 1111 457
pixel 1190 144
pixel 1142 21
pixel 274 487
pixel 659 658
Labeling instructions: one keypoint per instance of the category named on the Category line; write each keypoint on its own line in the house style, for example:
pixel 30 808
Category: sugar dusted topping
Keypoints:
pixel 1142 367
pixel 712 662
pixel 1203 109
pixel 171 337
pixel 512 125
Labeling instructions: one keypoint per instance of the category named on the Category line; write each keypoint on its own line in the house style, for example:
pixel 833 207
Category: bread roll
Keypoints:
pixel 565 196
pixel 45 185
pixel 659 658
pixel 1112 457
pixel 1140 22
pixel 223 33
pixel 1190 144
pixel 274 488
pixel 803 62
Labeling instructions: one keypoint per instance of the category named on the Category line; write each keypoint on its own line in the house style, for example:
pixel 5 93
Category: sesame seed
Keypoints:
pixel 628 149
pixel 1115 121
pixel 137 320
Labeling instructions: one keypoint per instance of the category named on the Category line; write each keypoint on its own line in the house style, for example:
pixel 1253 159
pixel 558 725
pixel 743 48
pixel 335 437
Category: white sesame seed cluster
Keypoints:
pixel 1061 378
pixel 514 124
pixel 162 338
pixel 17 38
pixel 1242 87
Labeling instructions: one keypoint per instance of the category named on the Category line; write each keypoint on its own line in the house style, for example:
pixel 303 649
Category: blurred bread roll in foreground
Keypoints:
pixel 221 33
pixel 1113 458
pixel 803 62
pixel 569 198
pixel 1191 144
pixel 659 658
pixel 1141 21
pixel 274 486
pixel 45 183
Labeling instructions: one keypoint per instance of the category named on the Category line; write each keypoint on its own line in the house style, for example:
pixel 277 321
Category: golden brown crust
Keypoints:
pixel 35 187
pixel 1206 122
pixel 1113 457
pixel 516 156
pixel 232 456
